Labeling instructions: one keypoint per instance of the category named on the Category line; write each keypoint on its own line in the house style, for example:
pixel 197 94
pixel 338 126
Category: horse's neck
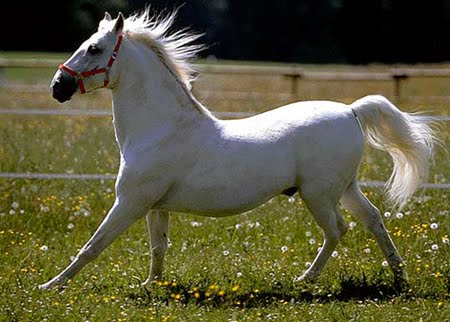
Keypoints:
pixel 149 104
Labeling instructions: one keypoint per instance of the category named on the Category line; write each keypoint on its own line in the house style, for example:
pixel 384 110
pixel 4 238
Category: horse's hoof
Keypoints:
pixel 54 283
pixel 146 282
pixel 308 278
pixel 46 286
pixel 298 279
pixel 149 280
pixel 401 284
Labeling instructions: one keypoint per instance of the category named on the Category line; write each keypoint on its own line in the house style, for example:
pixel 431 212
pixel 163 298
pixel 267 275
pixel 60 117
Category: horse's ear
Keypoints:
pixel 107 17
pixel 119 23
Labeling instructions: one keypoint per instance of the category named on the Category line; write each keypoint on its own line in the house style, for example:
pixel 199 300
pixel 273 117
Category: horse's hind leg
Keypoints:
pixel 354 200
pixel 334 227
pixel 158 228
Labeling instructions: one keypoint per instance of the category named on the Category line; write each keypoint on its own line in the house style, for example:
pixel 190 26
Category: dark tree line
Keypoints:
pixel 350 31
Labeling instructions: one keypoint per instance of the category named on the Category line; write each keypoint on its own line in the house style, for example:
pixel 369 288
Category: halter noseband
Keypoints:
pixel 79 76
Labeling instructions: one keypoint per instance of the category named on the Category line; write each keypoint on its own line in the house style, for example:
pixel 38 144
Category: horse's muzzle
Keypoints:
pixel 63 86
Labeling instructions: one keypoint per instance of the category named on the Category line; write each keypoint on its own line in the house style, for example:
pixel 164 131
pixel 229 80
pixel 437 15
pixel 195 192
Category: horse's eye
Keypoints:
pixel 93 49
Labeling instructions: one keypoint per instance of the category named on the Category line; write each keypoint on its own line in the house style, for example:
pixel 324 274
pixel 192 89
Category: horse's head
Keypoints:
pixel 92 65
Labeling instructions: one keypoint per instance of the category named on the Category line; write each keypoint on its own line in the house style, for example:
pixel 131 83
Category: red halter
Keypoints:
pixel 80 76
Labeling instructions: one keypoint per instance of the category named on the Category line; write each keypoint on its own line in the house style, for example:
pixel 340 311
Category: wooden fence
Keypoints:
pixel 294 74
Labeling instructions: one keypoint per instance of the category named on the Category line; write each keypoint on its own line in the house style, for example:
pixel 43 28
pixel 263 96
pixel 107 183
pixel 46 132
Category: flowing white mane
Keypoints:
pixel 174 49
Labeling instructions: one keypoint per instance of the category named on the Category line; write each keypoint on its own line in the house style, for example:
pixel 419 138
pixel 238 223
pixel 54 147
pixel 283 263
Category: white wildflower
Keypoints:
pixel 334 254
pixel 284 249
pixel 184 246
pixel 434 226
pixel 45 208
pixel 196 224
pixel 44 248
pixel 434 247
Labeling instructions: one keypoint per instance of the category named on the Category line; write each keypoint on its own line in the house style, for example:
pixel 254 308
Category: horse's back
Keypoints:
pixel 305 124
pixel 305 117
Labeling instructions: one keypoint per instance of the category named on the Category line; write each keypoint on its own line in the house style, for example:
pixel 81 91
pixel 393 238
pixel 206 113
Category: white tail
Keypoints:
pixel 408 138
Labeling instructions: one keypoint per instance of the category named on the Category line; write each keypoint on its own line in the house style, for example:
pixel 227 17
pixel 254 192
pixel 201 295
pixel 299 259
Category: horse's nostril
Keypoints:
pixel 56 85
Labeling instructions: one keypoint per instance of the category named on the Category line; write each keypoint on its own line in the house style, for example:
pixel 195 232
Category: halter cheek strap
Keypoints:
pixel 79 76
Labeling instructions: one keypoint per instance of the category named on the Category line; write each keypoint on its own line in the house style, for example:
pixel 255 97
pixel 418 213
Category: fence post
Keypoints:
pixel 398 77
pixel 294 83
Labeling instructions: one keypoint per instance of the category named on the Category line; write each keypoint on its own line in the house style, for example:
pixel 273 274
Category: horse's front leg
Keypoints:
pixel 123 213
pixel 158 228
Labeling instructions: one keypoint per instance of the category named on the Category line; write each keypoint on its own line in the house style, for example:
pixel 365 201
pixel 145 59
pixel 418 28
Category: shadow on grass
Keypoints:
pixel 351 289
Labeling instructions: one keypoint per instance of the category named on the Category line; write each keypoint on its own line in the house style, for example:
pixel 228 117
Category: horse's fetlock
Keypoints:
pixel 88 253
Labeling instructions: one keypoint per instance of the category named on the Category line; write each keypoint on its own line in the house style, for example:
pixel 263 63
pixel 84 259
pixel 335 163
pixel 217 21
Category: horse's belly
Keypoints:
pixel 214 204
pixel 231 192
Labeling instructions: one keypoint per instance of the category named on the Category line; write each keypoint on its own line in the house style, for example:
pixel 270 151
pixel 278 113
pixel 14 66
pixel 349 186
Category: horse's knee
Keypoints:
pixel 336 230
pixel 333 235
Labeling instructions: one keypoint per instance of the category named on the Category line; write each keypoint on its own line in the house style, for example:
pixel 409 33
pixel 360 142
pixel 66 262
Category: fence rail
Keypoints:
pixel 96 176
pixel 294 73
pixel 103 113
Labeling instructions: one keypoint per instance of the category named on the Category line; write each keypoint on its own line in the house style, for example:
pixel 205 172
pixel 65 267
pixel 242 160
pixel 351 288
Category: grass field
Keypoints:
pixel 239 268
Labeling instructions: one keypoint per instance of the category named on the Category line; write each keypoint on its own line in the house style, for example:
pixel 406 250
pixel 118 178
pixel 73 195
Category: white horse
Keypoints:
pixel 175 156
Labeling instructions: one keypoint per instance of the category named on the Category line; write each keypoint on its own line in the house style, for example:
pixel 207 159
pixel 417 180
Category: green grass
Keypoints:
pixel 218 268
pixel 236 268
